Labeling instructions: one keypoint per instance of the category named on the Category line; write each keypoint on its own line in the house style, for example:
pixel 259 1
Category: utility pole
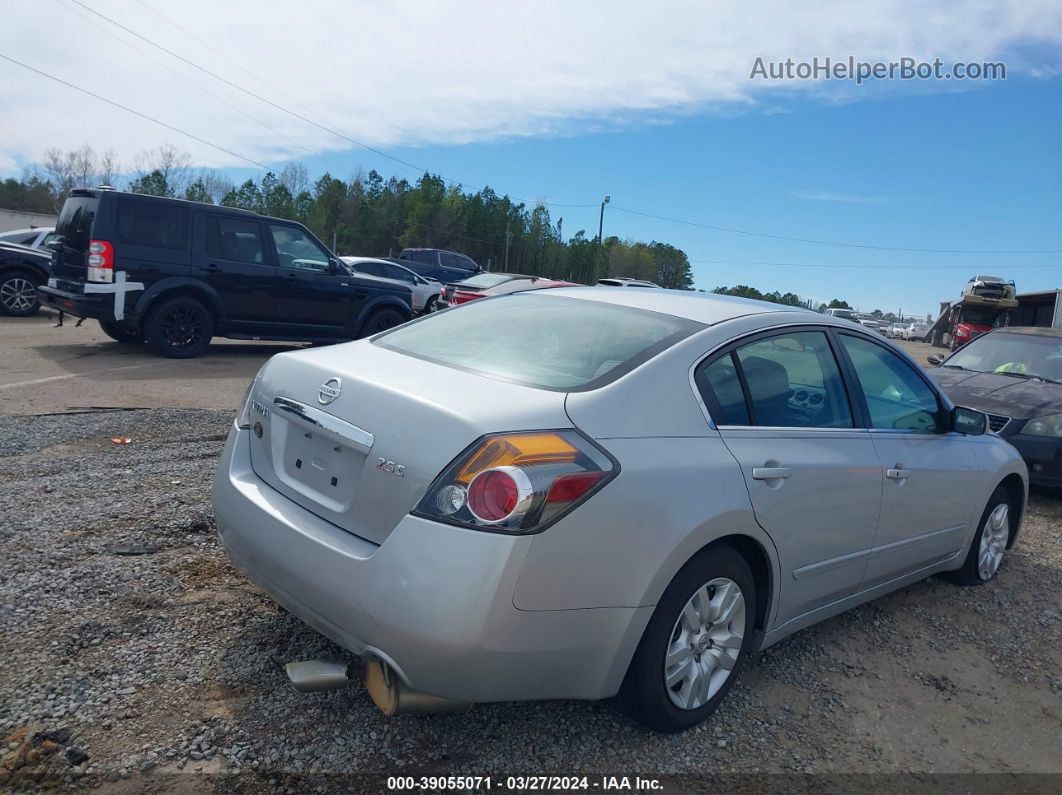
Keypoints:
pixel 508 239
pixel 601 220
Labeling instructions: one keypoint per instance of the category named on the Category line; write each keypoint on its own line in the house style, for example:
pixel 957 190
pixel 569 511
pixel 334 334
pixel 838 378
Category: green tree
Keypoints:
pixel 197 192
pixel 154 183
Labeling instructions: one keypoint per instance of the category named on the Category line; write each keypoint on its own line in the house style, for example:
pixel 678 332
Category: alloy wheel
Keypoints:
pixel 18 294
pixel 182 327
pixel 705 643
pixel 994 539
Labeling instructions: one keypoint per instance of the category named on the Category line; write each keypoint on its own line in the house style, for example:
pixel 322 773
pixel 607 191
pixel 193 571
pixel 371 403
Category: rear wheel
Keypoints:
pixel 985 555
pixel 18 294
pixel 122 334
pixel 432 305
pixel 179 328
pixel 381 320
pixel 695 643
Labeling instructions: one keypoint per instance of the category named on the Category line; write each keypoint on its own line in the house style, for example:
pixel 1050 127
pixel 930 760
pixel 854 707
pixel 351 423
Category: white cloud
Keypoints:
pixel 411 72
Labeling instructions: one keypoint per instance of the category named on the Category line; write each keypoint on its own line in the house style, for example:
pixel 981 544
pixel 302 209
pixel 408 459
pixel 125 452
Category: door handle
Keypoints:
pixel 898 474
pixel 770 473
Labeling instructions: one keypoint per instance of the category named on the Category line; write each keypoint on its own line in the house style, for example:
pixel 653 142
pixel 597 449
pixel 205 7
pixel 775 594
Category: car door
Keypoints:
pixel 929 470
pixel 234 262
pixel 782 408
pixel 317 295
pixel 399 273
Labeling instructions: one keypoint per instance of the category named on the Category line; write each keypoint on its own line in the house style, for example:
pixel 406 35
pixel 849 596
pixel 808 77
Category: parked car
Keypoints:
pixel 460 296
pixel 894 331
pixel 916 331
pixel 425 291
pixel 842 314
pixel 871 322
pixel 625 282
pixel 31 237
pixel 1014 375
pixel 176 273
pixel 443 266
pixel 497 517
pixel 991 287
pixel 468 289
pixel 22 271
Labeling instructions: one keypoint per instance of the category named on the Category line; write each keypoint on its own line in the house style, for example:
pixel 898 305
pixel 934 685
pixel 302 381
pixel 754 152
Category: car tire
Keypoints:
pixel 122 334
pixel 985 555
pixel 686 662
pixel 382 320
pixel 18 294
pixel 179 328
pixel 431 306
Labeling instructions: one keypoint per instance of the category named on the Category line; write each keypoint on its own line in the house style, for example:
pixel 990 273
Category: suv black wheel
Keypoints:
pixel 130 336
pixel 18 294
pixel 381 320
pixel 695 644
pixel 179 328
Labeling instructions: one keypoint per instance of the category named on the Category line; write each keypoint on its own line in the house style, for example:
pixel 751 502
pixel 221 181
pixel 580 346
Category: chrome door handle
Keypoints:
pixel 898 474
pixel 770 473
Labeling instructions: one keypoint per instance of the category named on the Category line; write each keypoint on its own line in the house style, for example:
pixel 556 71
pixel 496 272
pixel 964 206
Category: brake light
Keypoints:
pixel 100 261
pixel 518 482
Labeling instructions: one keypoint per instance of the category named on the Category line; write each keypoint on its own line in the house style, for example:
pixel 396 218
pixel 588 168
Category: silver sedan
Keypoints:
pixel 578 493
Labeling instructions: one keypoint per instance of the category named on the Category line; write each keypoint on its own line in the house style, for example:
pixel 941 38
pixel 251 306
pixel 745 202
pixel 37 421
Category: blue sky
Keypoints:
pixel 564 101
pixel 979 169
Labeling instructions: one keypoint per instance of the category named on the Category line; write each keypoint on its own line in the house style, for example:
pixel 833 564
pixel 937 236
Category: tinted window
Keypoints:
pixel 719 383
pixel 395 272
pixel 794 381
pixel 897 397
pixel 234 239
pixel 75 222
pixel 465 262
pixel 448 260
pixel 420 267
pixel 371 268
pixel 21 238
pixel 296 249
pixel 427 257
pixel 542 341
pixel 155 224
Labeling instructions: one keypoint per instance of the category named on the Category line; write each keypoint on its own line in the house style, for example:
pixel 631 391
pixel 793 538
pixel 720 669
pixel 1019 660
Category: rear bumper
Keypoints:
pixel 1043 455
pixel 78 304
pixel 434 601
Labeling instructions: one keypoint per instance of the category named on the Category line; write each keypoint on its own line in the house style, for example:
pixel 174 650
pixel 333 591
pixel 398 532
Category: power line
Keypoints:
pixel 281 108
pixel 135 112
pixel 826 242
pixel 852 267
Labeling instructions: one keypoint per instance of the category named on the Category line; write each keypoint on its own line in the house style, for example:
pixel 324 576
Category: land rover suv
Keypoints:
pixel 176 273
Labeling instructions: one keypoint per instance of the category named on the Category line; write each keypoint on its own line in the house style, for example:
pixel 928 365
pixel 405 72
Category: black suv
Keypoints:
pixel 22 272
pixel 435 263
pixel 176 273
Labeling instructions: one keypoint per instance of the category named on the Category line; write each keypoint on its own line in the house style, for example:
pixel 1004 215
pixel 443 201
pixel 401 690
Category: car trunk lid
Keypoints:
pixel 356 433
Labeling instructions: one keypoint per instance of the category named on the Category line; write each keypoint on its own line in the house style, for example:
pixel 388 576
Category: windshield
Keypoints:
pixel 1009 353
pixel 548 342
pixel 979 316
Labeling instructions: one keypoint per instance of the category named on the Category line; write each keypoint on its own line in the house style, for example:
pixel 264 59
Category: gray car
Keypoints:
pixel 578 493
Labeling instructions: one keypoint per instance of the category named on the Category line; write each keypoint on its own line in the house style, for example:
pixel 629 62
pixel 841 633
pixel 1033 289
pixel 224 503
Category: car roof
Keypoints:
pixel 708 308
pixel 1035 331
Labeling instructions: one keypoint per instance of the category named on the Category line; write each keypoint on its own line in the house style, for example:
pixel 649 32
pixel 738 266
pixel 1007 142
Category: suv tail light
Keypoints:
pixel 518 482
pixel 100 261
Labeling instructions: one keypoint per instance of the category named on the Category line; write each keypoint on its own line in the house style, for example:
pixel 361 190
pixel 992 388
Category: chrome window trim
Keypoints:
pixel 359 437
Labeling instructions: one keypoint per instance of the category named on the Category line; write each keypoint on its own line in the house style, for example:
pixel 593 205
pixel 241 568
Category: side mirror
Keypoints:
pixel 935 359
pixel 969 421
pixel 333 267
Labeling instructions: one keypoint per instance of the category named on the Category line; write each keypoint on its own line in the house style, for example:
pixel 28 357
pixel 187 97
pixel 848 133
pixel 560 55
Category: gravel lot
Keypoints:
pixel 162 671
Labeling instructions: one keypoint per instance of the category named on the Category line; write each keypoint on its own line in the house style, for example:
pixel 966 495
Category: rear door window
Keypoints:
pixel 234 239
pixel 154 224
pixel 395 272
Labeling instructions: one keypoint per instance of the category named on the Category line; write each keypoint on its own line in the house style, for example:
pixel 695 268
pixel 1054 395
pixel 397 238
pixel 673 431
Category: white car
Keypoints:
pixel 32 237
pixel 993 288
pixel 916 331
pixel 425 291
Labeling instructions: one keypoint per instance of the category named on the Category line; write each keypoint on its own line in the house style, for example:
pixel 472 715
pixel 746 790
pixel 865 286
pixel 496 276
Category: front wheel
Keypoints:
pixel 695 644
pixel 431 306
pixel 121 333
pixel 381 320
pixel 179 328
pixel 18 294
pixel 985 555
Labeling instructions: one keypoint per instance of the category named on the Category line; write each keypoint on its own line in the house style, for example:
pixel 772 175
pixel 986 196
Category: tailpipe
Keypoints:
pixel 386 688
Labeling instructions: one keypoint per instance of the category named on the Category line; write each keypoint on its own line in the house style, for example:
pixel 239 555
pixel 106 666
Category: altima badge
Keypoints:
pixel 329 391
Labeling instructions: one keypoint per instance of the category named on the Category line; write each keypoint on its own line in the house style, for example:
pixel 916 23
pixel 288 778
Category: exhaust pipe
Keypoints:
pixel 387 690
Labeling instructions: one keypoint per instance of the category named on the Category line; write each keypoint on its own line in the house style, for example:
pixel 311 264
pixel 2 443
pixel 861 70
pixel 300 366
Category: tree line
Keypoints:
pixel 367 214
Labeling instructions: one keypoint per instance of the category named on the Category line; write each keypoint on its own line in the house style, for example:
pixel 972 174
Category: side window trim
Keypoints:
pixel 712 409
pixel 857 385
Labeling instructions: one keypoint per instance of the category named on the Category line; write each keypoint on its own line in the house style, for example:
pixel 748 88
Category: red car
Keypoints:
pixel 486 285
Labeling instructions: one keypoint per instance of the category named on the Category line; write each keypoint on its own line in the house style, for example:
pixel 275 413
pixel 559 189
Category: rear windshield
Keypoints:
pixel 548 342
pixel 486 280
pixel 75 222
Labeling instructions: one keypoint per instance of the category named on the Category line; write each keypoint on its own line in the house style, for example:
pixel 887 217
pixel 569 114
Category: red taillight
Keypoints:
pixel 100 261
pixel 571 487
pixel 494 495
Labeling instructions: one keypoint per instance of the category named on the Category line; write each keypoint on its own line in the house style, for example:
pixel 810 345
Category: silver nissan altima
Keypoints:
pixel 584 492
